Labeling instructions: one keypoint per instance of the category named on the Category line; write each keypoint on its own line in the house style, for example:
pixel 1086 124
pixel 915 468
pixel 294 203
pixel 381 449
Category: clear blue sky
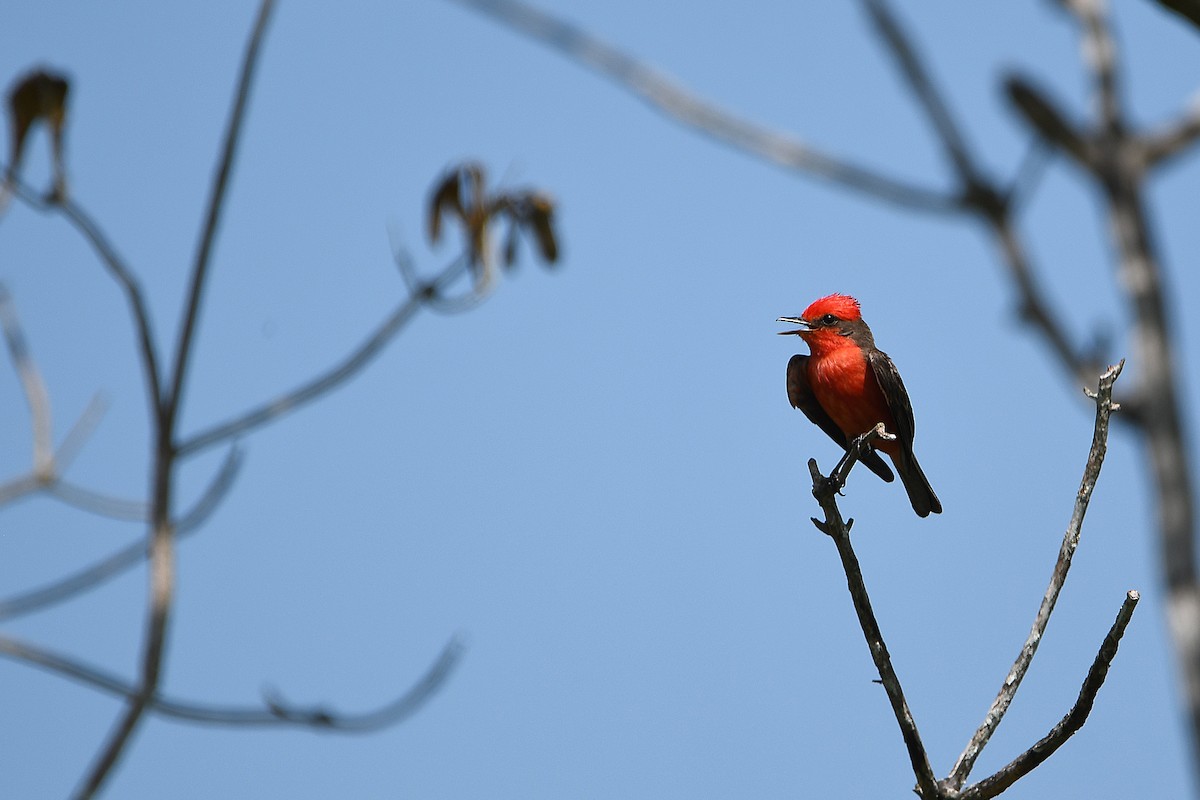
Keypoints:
pixel 595 477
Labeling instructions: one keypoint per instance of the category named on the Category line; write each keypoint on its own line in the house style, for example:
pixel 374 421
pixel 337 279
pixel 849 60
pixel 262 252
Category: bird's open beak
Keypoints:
pixel 804 326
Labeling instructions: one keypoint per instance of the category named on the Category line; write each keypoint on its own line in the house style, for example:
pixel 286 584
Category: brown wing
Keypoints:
pixel 888 378
pixel 801 397
pixel 920 493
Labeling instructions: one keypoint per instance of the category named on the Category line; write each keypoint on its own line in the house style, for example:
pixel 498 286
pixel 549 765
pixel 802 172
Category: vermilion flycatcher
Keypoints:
pixel 848 385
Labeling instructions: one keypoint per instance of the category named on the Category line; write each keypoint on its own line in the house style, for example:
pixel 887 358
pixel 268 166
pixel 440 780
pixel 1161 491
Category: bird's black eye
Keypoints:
pixel 828 319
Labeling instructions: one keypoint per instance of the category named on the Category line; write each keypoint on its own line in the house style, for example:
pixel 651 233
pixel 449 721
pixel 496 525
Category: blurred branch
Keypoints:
pixel 676 102
pixel 127 557
pixel 32 384
pixel 74 584
pixel 275 713
pixel 1041 114
pixel 313 389
pixel 1172 139
pixel 991 204
pixel 825 490
pixel 119 271
pixel 1100 56
pixel 48 466
pixel 460 194
pixel 1068 725
pixel 921 84
pixel 211 499
pixel 1187 9
pixel 1012 681
pixel 1119 176
pixel 162 538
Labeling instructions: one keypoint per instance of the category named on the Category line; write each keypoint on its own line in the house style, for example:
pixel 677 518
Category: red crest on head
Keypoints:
pixel 842 306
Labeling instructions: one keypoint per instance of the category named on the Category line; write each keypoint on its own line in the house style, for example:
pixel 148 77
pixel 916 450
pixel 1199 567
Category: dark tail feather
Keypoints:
pixel 920 493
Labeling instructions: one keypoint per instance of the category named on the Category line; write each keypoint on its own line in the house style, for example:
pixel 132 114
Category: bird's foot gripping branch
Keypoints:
pixel 954 786
pixel 832 485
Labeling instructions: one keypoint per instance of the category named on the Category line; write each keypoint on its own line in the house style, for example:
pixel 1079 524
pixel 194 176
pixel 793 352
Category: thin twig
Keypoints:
pixel 97 503
pixel 32 384
pixel 212 217
pixel 77 583
pixel 1159 146
pixel 825 491
pixel 1033 757
pixel 676 102
pixel 921 84
pixel 1100 55
pixel 73 442
pixel 211 499
pixel 162 547
pixel 120 272
pixel 331 378
pixel 274 714
pixel 1008 689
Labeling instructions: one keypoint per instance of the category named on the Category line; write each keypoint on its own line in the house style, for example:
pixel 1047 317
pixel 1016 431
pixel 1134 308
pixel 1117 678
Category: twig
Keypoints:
pixel 275 714
pixel 676 102
pixel 918 80
pixel 1100 55
pixel 97 503
pixel 1159 146
pixel 49 465
pixel 211 499
pixel 1068 725
pixel 77 583
pixel 72 443
pixel 331 378
pixel 127 557
pixel 34 387
pixel 1091 473
pixel 162 550
pixel 1186 9
pixel 117 268
pixel 825 491
pixel 986 200
pixel 296 398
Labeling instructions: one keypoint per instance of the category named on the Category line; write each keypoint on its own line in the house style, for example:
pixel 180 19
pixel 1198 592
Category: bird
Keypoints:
pixel 847 385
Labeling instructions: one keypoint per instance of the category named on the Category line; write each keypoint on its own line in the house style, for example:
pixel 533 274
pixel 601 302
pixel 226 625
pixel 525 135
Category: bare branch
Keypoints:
pixel 275 714
pixel 918 80
pixel 825 490
pixel 1048 122
pixel 676 102
pixel 127 557
pixel 97 503
pixel 1008 689
pixel 1032 308
pixel 162 546
pixel 1068 725
pixel 1100 55
pixel 34 387
pixel 1187 9
pixel 117 269
pixel 213 495
pixel 48 465
pixel 420 293
pixel 72 443
pixel 302 395
pixel 1158 147
pixel 77 583
pixel 216 205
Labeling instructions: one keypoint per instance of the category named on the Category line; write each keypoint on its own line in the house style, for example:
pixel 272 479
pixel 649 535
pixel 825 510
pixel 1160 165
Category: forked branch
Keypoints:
pixel 274 712
pixel 825 490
